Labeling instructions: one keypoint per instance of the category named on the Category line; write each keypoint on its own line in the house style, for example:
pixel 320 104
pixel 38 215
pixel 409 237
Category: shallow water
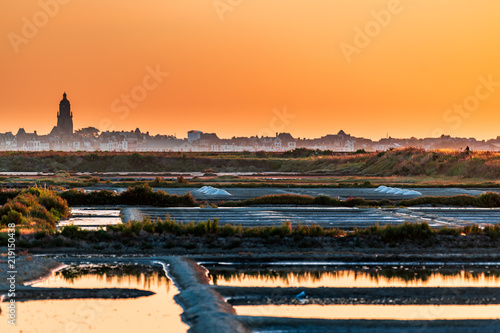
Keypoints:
pixel 273 276
pixel 347 278
pixel 157 313
pixel 92 217
pixel 389 312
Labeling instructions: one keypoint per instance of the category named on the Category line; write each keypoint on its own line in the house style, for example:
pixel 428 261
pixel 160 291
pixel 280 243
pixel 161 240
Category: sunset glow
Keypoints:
pixel 231 68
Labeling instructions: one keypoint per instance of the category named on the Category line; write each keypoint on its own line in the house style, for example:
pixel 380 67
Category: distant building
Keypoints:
pixel 285 141
pixel 194 135
pixel 64 118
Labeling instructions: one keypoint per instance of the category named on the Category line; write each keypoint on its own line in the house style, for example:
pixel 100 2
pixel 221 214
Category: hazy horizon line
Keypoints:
pixel 255 135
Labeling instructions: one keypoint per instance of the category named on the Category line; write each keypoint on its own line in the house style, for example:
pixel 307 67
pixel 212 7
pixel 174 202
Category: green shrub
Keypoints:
pixel 13 216
pixel 489 199
pixel 36 243
pixel 472 229
pixel 398 233
pixel 6 195
pixel 4 238
pixel 449 231
pixel 233 244
pixel 40 234
pixel 103 236
pixel 280 199
pixel 57 242
pixel 34 208
pixel 190 246
pixel 137 195
pixel 168 245
pixel 324 200
pixel 72 231
pixel 492 231
pixel 147 246
pixel 22 243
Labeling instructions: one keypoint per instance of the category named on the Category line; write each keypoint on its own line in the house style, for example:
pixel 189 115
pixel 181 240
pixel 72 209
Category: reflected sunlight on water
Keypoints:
pixel 157 313
pixel 355 278
pixel 394 312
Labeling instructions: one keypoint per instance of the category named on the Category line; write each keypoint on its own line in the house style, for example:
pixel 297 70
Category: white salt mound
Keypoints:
pixel 209 190
pixel 395 191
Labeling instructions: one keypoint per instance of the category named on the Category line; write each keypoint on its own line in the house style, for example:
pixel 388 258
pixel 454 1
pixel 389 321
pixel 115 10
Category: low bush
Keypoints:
pixel 280 199
pixel 34 208
pixel 485 200
pixel 131 233
pixel 137 195
pixel 398 233
pixel 492 231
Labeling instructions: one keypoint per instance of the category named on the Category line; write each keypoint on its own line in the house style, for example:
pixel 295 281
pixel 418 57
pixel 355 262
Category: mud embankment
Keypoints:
pixel 273 324
pixel 28 269
pixel 381 296
pixel 27 293
pixel 204 309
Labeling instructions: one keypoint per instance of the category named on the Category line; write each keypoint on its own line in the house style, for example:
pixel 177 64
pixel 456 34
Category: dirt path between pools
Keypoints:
pixel 379 296
pixel 204 309
pixel 29 269
pixel 28 293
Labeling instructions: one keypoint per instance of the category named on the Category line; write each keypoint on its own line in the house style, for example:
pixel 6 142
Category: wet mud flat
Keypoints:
pixel 299 325
pixel 27 293
pixel 119 269
pixel 28 268
pixel 380 296
pixel 358 257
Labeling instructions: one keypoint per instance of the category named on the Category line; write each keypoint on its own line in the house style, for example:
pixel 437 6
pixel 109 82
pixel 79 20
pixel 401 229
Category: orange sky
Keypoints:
pixel 233 75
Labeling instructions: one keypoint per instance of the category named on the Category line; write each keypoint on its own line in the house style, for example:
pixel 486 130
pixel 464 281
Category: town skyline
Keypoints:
pixel 62 137
pixel 414 74
pixel 279 120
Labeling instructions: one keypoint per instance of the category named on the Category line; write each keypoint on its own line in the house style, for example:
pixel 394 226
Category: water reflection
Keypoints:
pixel 157 313
pixel 347 278
pixel 125 276
pixel 389 312
pixel 92 218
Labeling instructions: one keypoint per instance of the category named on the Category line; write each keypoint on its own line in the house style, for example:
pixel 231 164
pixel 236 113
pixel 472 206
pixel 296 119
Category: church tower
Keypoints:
pixel 65 117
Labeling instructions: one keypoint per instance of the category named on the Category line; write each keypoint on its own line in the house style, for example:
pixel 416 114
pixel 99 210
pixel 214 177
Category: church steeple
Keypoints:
pixel 65 117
